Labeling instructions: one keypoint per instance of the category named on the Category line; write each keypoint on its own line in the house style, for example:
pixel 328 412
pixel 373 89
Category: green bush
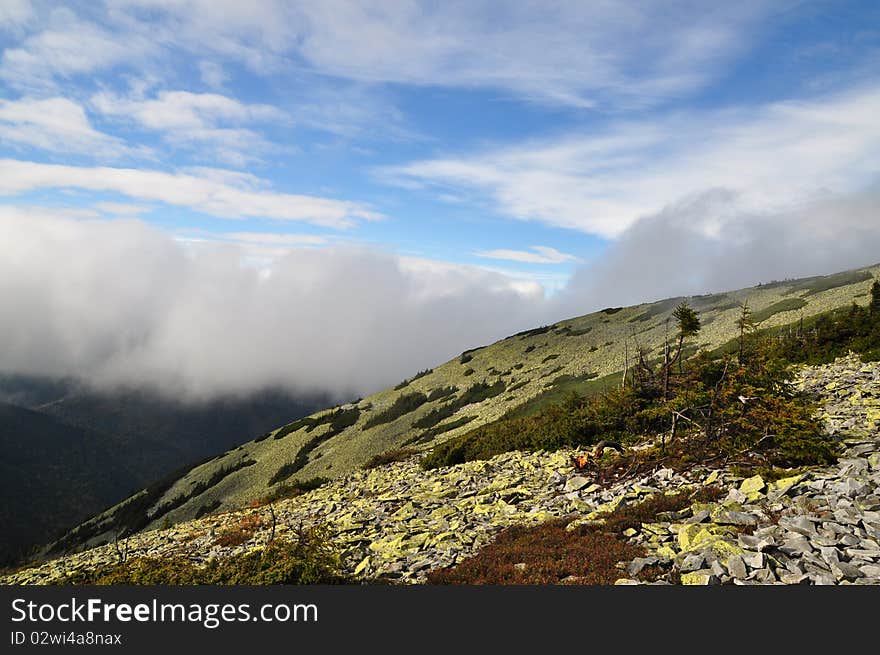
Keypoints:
pixel 292 489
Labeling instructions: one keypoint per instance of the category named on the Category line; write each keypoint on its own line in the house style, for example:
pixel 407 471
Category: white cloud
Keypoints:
pixel 213 74
pixel 537 255
pixel 223 194
pixel 202 120
pixel 571 53
pixel 58 125
pixel 193 321
pixel 65 45
pixel 574 53
pixel 14 14
pixel 672 254
pixel 183 110
pixel 771 158
pixel 122 208
pixel 276 239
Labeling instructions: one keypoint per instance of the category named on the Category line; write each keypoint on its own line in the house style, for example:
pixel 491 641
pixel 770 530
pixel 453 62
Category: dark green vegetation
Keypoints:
pixel 695 402
pixel 788 305
pixel 441 393
pixel 569 331
pixel 402 405
pixel 290 428
pixel 474 394
pixel 338 420
pixel 560 388
pixel 831 335
pixel 468 355
pixel 389 456
pixel 207 508
pixel 819 284
pixel 200 487
pixel 418 375
pixel 291 489
pixel 430 434
pixel 587 555
pixel 525 334
pixel 310 559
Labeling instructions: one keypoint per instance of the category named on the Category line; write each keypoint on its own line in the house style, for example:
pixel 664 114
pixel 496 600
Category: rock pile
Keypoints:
pixel 820 527
pixel 400 522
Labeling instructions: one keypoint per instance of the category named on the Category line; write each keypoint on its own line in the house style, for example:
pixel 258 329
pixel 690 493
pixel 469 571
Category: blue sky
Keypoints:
pixel 522 146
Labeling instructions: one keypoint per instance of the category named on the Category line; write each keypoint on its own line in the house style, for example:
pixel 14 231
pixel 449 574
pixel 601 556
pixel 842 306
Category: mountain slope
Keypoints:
pixel 53 475
pixel 478 387
pixel 70 452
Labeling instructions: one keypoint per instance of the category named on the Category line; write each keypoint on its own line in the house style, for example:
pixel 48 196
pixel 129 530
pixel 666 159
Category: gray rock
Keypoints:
pixel 796 545
pixel 693 562
pixel 575 483
pixel 635 567
pixel 764 576
pixel 794 578
pixel 735 518
pixel 822 579
pixel 737 567
pixel 830 555
pixel 800 524
pixel 698 517
pixel 752 542
pixel 871 571
pixel 846 571
pixel 753 560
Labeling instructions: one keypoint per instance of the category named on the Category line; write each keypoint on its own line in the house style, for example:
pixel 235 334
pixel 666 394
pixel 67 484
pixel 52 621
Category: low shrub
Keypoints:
pixel 291 490
pixel 240 532
pixel 389 456
pixel 310 558
pixel 547 553
pixel 402 405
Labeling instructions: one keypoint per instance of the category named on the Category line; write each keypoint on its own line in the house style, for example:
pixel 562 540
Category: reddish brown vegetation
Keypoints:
pixel 240 532
pixel 553 555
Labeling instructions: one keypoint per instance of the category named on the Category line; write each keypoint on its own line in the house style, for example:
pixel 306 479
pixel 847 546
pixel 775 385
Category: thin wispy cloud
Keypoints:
pixel 222 194
pixel 536 255
pixel 774 156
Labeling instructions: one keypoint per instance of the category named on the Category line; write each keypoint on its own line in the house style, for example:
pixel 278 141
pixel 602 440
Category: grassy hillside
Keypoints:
pixel 519 374
pixel 70 452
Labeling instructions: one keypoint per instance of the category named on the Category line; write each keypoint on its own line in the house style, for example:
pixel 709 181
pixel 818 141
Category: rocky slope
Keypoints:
pixel 399 522
pixel 473 389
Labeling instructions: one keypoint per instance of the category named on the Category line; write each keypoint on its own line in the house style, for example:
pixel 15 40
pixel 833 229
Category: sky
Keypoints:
pixel 211 197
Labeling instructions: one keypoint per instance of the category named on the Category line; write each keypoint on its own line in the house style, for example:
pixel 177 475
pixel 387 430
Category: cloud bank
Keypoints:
pixel 117 302
pixel 121 303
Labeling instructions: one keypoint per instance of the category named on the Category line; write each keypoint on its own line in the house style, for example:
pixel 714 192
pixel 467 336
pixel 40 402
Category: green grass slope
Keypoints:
pixel 519 374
